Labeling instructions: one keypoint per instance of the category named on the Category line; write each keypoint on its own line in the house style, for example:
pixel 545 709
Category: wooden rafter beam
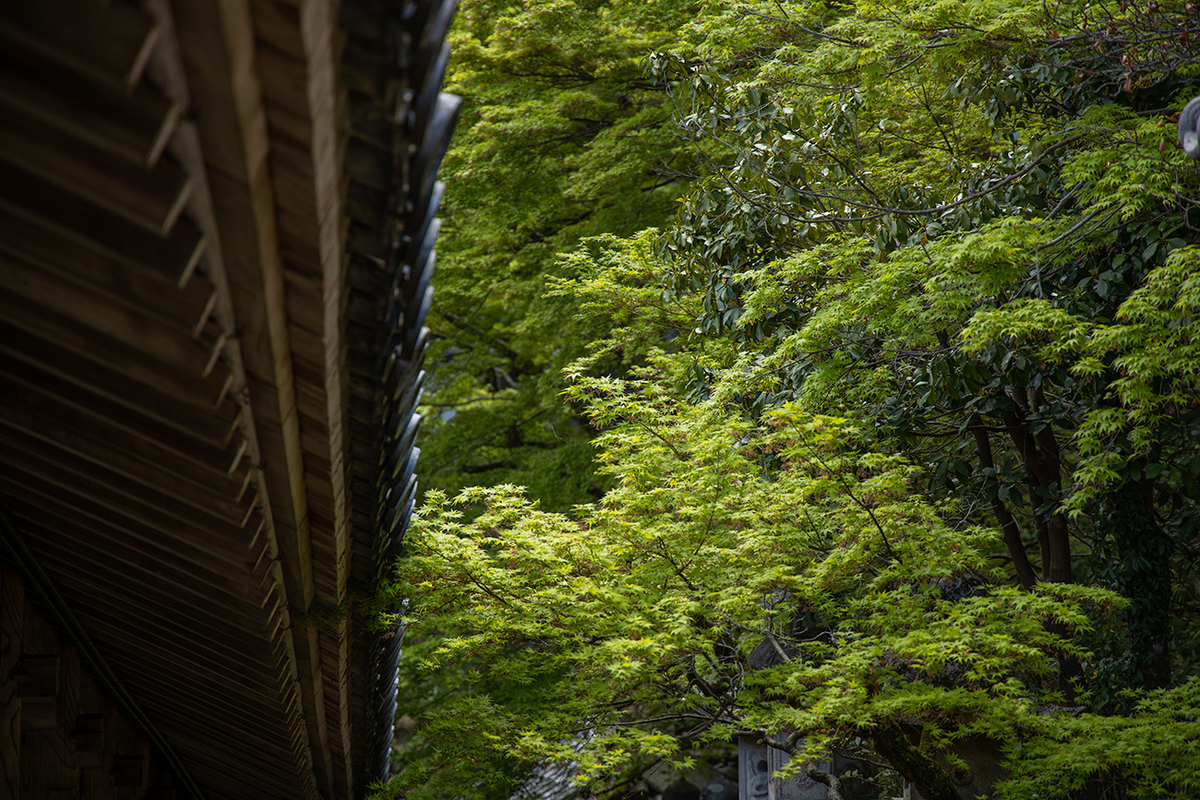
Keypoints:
pixel 135 125
pixel 65 31
pixel 219 51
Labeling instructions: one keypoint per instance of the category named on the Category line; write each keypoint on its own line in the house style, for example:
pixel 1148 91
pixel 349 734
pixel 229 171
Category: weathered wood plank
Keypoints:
pixel 232 620
pixel 95 784
pixel 218 716
pixel 141 654
pixel 235 122
pixel 70 673
pixel 305 309
pixel 209 568
pixel 278 27
pixel 90 740
pixel 149 287
pixel 291 173
pixel 46 765
pixel 62 467
pixel 130 772
pixel 215 450
pixel 223 605
pixel 24 194
pixel 239 716
pixel 309 346
pixel 209 658
pixel 134 125
pixel 38 636
pixel 12 620
pixel 298 229
pixel 25 292
pixel 12 626
pixel 204 678
pixel 10 740
pixel 96 451
pixel 365 206
pixel 286 125
pixel 216 761
pixel 37 685
pixel 41 332
pixel 284 80
pixel 151 197
pixel 282 378
pixel 39 409
pixel 368 165
pixel 113 42
pixel 201 421
pixel 302 264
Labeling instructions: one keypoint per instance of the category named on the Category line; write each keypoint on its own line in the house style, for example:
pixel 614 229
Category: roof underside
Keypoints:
pixel 214 261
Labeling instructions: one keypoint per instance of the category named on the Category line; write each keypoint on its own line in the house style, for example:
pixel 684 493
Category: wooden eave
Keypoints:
pixel 212 290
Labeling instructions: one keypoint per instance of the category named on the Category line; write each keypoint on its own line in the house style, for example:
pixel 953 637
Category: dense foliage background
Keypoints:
pixel 864 333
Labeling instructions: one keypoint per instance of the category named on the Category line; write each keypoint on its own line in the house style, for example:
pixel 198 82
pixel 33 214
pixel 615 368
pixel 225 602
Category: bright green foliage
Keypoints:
pixel 562 137
pixel 655 611
pixel 1155 350
pixel 949 241
pixel 1151 752
pixel 921 404
pixel 615 286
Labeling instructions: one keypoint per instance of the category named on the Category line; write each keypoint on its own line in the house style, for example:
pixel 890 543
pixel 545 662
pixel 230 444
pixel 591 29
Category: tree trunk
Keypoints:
pixel 1144 577
pixel 1041 459
pixel 925 774
pixel 1008 524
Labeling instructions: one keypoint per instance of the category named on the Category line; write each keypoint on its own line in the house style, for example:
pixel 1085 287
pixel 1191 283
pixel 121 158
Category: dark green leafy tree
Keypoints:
pixel 920 419
pixel 915 243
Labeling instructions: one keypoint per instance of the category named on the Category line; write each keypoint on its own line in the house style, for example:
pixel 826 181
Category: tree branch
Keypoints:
pixel 1008 524
pixel 830 780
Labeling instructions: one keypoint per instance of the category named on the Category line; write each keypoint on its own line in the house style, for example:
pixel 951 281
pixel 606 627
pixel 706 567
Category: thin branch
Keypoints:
pixel 1067 233
pixel 481 399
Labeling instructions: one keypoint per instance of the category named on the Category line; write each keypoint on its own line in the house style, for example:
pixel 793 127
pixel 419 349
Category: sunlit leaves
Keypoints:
pixel 641 613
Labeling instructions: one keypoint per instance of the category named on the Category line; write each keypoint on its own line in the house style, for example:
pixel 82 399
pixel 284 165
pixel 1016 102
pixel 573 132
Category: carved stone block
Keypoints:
pixel 757 768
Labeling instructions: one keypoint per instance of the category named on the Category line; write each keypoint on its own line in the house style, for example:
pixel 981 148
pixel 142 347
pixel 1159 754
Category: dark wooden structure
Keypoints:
pixel 216 230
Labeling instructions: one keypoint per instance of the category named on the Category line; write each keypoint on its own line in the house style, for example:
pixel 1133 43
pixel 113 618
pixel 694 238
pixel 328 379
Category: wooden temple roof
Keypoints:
pixel 216 229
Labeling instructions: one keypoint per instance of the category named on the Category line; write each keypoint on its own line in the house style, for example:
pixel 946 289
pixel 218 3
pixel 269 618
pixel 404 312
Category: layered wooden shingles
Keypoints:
pixel 172 300
pixel 131 451
pixel 186 427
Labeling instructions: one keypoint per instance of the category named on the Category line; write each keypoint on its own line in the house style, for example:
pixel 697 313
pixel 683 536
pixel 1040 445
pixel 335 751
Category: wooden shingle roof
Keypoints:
pixel 215 248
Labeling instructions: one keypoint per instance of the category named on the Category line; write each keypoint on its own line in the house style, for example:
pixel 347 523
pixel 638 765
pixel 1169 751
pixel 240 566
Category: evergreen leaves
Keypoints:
pixel 895 421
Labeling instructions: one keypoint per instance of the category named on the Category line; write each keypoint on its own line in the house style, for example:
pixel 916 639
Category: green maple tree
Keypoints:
pixel 905 395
